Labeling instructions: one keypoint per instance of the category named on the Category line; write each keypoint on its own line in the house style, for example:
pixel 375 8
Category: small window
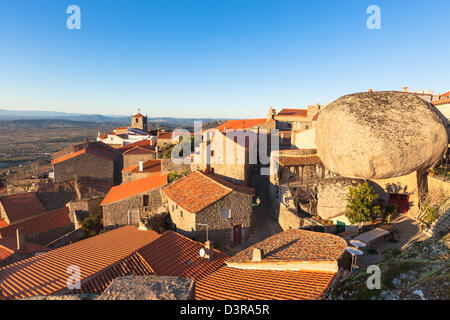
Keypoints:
pixel 137 120
pixel 181 213
pixel 226 214
pixel 146 200
pixel 173 207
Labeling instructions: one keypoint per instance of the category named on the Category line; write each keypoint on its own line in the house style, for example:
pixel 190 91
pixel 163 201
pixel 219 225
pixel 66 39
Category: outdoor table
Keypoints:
pixel 369 236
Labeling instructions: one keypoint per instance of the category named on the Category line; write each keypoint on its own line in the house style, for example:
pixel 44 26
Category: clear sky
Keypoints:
pixel 215 58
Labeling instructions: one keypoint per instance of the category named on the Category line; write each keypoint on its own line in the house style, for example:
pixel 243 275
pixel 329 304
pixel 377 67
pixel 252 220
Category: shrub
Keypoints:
pixel 389 211
pixel 92 225
pixel 360 204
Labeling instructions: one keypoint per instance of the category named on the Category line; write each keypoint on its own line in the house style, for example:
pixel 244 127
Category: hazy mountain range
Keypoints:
pixel 125 120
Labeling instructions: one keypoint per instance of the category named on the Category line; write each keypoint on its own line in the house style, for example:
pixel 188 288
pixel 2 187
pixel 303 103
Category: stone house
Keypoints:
pixel 296 119
pixel 294 177
pixel 90 160
pixel 141 170
pixel 127 202
pixel 201 199
pixel 165 139
pixel 131 157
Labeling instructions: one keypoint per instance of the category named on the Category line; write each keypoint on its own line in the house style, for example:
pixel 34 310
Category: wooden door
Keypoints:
pixel 237 234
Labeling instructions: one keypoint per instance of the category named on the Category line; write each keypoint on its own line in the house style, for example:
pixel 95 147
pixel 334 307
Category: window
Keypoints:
pixel 173 207
pixel 226 214
pixel 137 120
pixel 145 200
pixel 181 213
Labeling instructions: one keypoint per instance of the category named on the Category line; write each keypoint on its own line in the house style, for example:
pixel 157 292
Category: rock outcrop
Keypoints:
pixel 377 135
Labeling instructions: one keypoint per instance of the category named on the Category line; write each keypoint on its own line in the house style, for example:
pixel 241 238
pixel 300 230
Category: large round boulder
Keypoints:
pixel 332 195
pixel 377 135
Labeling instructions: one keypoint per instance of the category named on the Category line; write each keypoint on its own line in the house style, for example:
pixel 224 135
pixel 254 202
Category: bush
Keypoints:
pixel 92 225
pixel 360 204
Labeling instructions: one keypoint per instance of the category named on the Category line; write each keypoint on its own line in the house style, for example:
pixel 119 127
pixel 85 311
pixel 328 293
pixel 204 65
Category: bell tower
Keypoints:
pixel 139 121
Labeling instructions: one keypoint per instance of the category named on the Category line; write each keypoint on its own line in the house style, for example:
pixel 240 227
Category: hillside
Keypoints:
pixel 421 272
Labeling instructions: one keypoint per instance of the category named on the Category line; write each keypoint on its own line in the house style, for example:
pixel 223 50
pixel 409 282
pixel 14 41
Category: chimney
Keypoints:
pixel 209 250
pixel 156 152
pixel 405 89
pixel 20 239
pixel 257 255
pixel 141 165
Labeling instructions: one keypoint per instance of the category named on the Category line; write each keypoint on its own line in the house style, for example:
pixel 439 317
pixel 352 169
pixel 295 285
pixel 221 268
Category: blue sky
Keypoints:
pixel 215 58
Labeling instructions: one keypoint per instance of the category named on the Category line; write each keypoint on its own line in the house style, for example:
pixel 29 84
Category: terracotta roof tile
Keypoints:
pixel 295 245
pixel 8 247
pixel 129 189
pixel 175 255
pixel 99 258
pixel 447 94
pixel 149 166
pixel 241 124
pixel 139 115
pixel 41 223
pixel 21 206
pixel 140 143
pixel 165 135
pixel 197 190
pixel 442 101
pixel 139 150
pixel 94 149
pixel 299 160
pixel 238 284
pixel 286 112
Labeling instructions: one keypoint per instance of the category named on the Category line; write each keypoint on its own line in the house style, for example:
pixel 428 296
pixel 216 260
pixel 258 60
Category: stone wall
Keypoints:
pixel 44 238
pixel 116 213
pixel 79 210
pixel 84 165
pixel 220 230
pixel 167 165
pixel 437 185
pixel 133 159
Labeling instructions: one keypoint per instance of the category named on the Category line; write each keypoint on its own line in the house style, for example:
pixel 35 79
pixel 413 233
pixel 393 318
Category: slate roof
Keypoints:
pixel 129 189
pixel 238 284
pixel 21 206
pixel 198 190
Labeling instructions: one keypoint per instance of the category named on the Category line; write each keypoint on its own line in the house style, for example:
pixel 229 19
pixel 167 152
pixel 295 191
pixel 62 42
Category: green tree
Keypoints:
pixel 92 225
pixel 360 204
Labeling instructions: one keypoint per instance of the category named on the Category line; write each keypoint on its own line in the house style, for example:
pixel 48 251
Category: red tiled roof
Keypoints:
pixel 447 94
pixel 295 245
pixel 129 189
pixel 139 115
pixel 21 206
pixel 292 113
pixel 316 116
pixel 241 124
pixel 94 150
pixel 149 166
pixel 41 223
pixel 165 135
pixel 140 143
pixel 175 255
pixel 8 247
pixel 239 284
pixel 100 259
pixel 139 150
pixel 442 101
pixel 299 160
pixel 197 190
pixel 3 223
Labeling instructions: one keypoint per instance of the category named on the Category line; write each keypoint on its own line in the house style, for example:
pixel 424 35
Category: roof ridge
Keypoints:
pixel 215 181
